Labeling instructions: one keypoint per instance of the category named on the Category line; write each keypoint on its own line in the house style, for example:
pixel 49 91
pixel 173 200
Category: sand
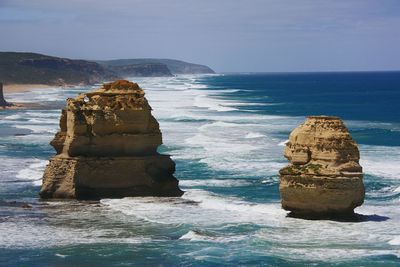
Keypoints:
pixel 18 88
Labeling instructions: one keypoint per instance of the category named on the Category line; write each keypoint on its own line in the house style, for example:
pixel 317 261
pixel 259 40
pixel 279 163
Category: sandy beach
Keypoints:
pixel 18 88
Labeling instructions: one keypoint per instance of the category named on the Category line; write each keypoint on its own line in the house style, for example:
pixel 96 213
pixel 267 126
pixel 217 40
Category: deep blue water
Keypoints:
pixel 226 134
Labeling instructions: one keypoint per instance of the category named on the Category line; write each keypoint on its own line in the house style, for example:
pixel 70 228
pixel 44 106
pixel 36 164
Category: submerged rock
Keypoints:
pixel 324 177
pixel 107 147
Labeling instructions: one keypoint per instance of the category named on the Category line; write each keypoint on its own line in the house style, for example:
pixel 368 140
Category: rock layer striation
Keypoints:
pixel 324 177
pixel 107 147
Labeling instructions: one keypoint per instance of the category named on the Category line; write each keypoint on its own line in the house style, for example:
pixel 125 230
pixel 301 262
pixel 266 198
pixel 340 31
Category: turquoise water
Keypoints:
pixel 226 134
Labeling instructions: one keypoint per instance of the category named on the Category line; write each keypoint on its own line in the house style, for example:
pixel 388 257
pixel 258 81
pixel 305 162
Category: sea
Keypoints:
pixel 226 133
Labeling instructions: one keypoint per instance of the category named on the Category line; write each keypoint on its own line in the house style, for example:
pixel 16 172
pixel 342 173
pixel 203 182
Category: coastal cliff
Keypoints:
pixel 141 70
pixel 174 66
pixel 324 176
pixel 107 147
pixel 33 68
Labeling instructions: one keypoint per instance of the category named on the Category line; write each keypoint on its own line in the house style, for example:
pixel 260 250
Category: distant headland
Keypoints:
pixel 33 68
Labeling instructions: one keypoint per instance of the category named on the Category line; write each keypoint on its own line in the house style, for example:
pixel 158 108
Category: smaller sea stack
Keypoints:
pixel 3 102
pixel 324 178
pixel 107 148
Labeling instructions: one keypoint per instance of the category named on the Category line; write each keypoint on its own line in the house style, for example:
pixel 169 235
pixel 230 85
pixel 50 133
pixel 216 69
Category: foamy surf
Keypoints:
pixel 195 207
pixel 197 236
pixel 34 172
pixel 214 182
pixel 228 151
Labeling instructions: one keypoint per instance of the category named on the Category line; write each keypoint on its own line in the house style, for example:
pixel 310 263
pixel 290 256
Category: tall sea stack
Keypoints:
pixel 324 177
pixel 107 148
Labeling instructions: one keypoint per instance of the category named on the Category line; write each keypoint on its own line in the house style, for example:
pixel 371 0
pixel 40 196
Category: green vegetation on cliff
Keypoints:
pixel 20 68
pixel 175 66
pixel 32 68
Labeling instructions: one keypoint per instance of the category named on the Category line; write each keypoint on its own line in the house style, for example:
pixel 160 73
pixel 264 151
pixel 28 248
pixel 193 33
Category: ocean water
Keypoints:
pixel 226 134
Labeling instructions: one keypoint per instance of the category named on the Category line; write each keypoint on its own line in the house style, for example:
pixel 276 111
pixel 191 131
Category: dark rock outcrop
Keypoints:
pixel 107 147
pixel 324 178
pixel 3 102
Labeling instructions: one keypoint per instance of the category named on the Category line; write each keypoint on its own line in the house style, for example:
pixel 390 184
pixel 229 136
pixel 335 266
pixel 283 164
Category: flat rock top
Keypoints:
pixel 117 95
pixel 323 117
pixel 119 87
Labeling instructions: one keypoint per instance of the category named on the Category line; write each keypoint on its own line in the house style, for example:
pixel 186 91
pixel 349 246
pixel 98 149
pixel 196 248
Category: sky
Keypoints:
pixel 227 35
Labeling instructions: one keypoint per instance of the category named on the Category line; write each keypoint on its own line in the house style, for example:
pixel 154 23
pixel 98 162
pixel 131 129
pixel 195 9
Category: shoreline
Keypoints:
pixel 20 88
pixel 17 106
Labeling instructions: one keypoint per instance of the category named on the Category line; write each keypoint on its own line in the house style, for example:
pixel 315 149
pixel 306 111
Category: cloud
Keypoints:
pixel 248 35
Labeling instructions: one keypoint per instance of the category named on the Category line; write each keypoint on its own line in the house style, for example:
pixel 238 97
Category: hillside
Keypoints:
pixel 175 66
pixel 32 68
pixel 35 68
pixel 140 70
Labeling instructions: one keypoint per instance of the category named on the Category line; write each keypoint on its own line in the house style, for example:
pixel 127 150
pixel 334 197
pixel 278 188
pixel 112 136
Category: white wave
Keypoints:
pixel 214 182
pixel 235 147
pixel 44 114
pixel 218 145
pixel 391 126
pixel 33 172
pixel 395 241
pixel 43 121
pixel 253 135
pixel 25 233
pixel 37 128
pixel 387 191
pixel 228 90
pixel 195 207
pixel 13 117
pixel 193 236
pixel 283 143
pixel 197 236
pixel 203 101
pixel 381 161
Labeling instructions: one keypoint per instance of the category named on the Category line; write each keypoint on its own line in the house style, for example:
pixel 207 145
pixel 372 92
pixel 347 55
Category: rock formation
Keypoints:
pixel 3 102
pixel 107 147
pixel 324 177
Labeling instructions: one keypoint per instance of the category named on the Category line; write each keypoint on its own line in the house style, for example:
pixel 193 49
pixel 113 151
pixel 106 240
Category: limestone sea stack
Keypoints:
pixel 107 148
pixel 324 177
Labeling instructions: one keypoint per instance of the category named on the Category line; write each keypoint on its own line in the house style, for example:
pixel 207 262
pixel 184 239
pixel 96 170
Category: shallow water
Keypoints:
pixel 226 134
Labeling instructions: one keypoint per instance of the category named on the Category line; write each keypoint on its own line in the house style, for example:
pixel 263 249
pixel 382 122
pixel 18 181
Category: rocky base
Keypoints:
pixel 96 178
pixel 321 196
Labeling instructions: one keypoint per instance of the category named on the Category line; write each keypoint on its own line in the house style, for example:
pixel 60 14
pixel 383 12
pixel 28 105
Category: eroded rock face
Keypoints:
pixel 324 177
pixel 107 147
